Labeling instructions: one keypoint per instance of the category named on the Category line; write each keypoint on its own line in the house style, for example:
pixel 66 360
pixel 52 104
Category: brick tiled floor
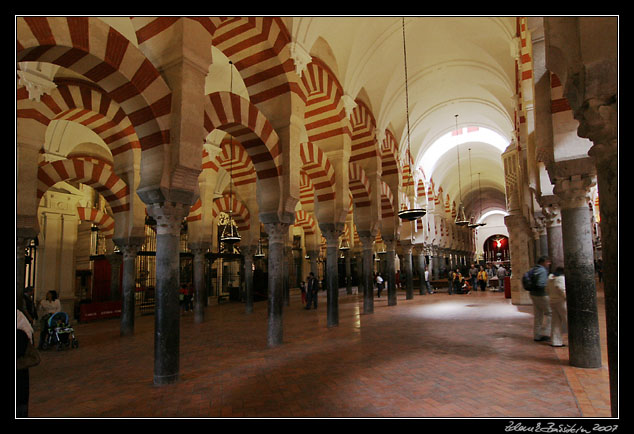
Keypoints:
pixel 434 356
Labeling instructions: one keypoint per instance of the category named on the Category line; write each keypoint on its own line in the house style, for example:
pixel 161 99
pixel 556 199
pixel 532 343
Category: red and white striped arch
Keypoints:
pixel 363 125
pixel 306 221
pixel 103 221
pixel 89 47
pixel 87 105
pixel 235 160
pixel 242 120
pixel 98 176
pixel 255 45
pixel 239 211
pixel 195 212
pixel 316 166
pixel 359 185
pixel 387 201
pixel 389 152
pixel 325 115
pixel 306 190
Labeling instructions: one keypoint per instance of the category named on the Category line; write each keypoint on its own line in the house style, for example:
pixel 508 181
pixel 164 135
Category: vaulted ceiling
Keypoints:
pixel 461 66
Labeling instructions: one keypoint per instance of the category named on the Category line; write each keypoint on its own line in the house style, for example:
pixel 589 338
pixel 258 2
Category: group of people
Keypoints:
pixel 549 303
pixel 459 284
pixel 186 298
pixel 309 291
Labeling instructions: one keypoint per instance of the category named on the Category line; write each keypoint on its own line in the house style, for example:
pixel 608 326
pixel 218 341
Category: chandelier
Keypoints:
pixel 230 233
pixel 413 213
pixel 460 220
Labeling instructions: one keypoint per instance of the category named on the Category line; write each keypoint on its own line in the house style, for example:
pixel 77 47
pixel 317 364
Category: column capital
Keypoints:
pixel 168 216
pixel 574 191
pixel 129 247
pixel 552 215
pixel 598 121
pixel 332 232
pixel 367 239
pixel 277 232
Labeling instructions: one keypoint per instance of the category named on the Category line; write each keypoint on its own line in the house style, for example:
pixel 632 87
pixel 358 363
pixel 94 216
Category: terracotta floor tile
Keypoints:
pixel 435 356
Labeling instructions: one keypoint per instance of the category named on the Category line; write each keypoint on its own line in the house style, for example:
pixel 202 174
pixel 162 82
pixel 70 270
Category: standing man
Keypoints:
pixel 311 291
pixel 501 276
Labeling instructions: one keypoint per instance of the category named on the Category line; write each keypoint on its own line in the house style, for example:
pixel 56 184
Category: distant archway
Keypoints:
pixel 496 248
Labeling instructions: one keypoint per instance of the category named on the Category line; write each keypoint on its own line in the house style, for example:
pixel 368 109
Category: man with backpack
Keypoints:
pixel 535 281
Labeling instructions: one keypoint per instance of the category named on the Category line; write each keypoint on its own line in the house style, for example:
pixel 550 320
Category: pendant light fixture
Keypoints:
pixel 230 233
pixel 460 217
pixel 472 223
pixel 480 200
pixel 412 213
pixel 259 253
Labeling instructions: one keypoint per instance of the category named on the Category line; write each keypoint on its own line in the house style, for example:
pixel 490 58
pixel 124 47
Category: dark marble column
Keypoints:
pixel 168 218
pixel 407 271
pixel 199 250
pixel 390 274
pixel 115 275
pixel 20 264
pixel 421 266
pixel 347 254
pixel 606 161
pixel 277 233
pixel 332 232
pixel 248 252
pixel 581 295
pixel 367 241
pixel 553 233
pixel 129 248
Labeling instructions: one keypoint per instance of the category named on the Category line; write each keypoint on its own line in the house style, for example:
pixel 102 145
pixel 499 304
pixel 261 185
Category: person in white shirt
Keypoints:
pixel 47 307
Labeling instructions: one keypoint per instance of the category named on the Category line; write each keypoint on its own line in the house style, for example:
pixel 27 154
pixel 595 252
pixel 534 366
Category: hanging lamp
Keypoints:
pixel 460 217
pixel 230 233
pixel 259 253
pixel 344 244
pixel 480 200
pixel 412 213
pixel 472 223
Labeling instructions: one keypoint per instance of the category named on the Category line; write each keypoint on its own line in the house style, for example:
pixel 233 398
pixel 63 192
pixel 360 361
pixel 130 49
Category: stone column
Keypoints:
pixel 520 237
pixel 168 218
pixel 199 250
pixel 248 252
pixel 407 270
pixel 332 233
pixel 390 275
pixel 22 241
pixel 421 272
pixel 605 155
pixel 367 241
pixel 115 275
pixel 314 255
pixel 553 232
pixel 129 248
pixel 581 296
pixel 277 233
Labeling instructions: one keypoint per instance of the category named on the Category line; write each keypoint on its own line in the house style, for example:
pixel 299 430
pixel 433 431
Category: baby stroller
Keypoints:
pixel 59 332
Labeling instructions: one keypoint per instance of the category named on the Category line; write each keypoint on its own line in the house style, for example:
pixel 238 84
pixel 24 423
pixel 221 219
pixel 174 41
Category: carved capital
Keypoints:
pixel 574 191
pixel 168 216
pixel 300 57
pixel 598 122
pixel 277 232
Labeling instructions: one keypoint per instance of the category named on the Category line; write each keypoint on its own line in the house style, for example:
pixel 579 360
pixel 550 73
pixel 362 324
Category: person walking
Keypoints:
pixel 541 302
pixel 302 288
pixel 311 291
pixel 556 289
pixel 379 284
pixel 427 284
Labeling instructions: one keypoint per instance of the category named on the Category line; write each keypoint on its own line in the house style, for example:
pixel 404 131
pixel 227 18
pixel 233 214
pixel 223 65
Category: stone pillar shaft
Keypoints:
pixel 583 324
pixel 128 290
pixel 407 270
pixel 367 241
pixel 390 257
pixel 167 310
pixel 277 234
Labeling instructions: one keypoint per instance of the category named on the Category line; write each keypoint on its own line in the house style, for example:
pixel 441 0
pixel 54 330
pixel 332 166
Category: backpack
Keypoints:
pixel 528 280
